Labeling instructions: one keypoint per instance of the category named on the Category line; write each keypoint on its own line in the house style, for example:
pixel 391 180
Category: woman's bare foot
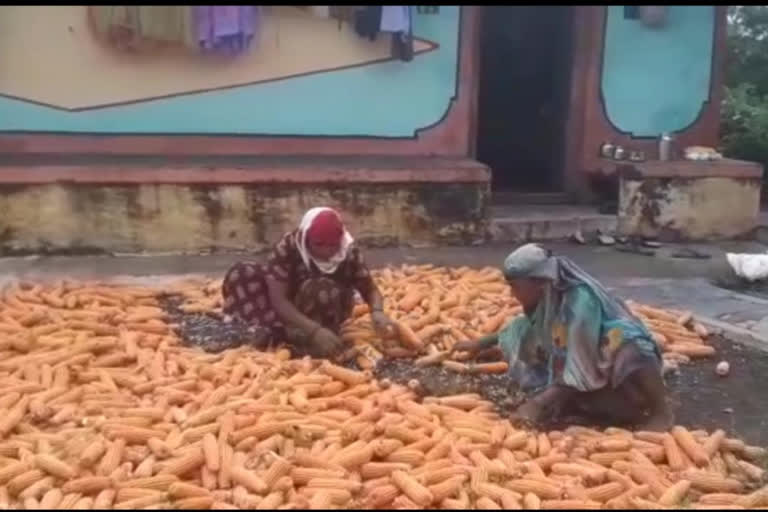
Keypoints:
pixel 529 413
pixel 659 422
pixel 546 405
pixel 660 418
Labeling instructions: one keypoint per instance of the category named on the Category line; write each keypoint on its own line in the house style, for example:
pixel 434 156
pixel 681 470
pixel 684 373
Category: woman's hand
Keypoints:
pixel 325 343
pixel 383 325
pixel 545 405
pixel 473 347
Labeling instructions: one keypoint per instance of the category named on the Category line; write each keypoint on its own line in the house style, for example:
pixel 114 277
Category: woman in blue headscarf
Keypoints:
pixel 577 346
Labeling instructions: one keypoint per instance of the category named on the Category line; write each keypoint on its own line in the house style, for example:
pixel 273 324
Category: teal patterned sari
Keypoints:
pixel 573 336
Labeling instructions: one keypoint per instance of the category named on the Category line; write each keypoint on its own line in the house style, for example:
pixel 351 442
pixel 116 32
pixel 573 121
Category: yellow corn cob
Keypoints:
pixel 302 475
pixel 133 435
pixel 112 457
pixel 279 468
pixel 13 470
pixel 271 501
pixel 531 501
pixel 349 377
pixel 405 456
pixel 605 492
pixel 24 480
pixel 132 493
pixel 541 489
pixel 84 503
pixel 211 452
pixel 183 490
pixel 248 479
pixel 92 453
pixel 142 502
pixel 54 466
pixel 675 494
pixel 412 488
pixel 37 489
pixel 569 505
pixel 161 482
pixel 51 499
pixel 185 464
pixel 195 503
pixel 87 485
pixel 104 499
pixel 711 482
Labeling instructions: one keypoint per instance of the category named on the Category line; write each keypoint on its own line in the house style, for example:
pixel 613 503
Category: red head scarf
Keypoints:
pixel 326 229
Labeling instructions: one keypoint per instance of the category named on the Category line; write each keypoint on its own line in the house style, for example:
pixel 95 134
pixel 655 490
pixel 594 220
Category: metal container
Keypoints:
pixel 665 147
pixel 619 153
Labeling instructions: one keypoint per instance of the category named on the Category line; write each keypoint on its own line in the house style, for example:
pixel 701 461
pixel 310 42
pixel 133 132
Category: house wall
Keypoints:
pixel 146 207
pixel 307 87
pixel 657 80
pixel 314 115
pixel 685 201
pixel 632 83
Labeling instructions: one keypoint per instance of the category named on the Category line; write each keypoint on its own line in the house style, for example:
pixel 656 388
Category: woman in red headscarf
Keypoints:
pixel 306 289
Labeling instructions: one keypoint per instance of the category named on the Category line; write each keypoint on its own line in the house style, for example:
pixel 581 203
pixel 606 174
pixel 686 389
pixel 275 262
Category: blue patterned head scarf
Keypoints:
pixel 524 335
pixel 533 261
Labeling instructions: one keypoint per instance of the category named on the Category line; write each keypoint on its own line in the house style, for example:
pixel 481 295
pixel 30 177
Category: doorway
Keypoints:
pixel 524 90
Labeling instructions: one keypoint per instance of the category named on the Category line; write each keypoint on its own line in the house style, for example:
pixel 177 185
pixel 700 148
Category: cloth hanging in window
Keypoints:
pixel 132 27
pixel 397 20
pixel 368 21
pixel 320 11
pixel 394 18
pixel 227 29
pixel 343 13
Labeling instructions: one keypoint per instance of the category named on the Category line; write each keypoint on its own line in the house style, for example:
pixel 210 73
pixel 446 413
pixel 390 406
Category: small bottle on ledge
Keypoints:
pixel 665 147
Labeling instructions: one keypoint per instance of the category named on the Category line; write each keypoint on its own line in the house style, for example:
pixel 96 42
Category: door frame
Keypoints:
pixel 586 49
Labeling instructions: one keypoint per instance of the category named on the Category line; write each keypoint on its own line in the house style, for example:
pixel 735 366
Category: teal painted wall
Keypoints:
pixel 657 80
pixel 389 99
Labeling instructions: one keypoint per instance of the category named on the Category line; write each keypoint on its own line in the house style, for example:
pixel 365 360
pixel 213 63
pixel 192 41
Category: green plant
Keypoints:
pixel 744 122
pixel 744 113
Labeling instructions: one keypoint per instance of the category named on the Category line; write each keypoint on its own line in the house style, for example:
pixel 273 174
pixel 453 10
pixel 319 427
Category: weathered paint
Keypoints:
pixel 657 80
pixel 190 218
pixel 588 123
pixel 687 201
pixel 451 136
pixel 307 77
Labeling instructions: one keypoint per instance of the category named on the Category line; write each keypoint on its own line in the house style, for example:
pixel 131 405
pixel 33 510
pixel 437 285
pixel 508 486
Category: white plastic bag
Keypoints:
pixel 752 267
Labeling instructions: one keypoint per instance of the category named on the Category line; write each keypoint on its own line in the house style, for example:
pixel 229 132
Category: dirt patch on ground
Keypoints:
pixel 728 280
pixel 437 381
pixel 737 403
pixel 207 331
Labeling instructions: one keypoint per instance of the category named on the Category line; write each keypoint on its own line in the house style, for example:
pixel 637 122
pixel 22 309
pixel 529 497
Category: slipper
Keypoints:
pixel 634 249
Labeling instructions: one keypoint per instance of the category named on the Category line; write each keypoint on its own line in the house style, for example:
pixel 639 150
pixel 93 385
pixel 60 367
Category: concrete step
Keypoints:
pixel 528 223
pixel 508 197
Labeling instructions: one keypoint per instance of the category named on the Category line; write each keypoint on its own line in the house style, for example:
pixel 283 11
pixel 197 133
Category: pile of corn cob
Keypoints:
pixel 101 407
pixel 436 307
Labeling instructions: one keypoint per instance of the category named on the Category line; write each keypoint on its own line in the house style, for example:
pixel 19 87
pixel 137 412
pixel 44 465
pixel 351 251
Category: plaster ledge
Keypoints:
pixel 288 170
pixel 725 168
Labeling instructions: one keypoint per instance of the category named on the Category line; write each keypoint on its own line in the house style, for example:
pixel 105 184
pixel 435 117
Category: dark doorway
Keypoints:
pixel 525 64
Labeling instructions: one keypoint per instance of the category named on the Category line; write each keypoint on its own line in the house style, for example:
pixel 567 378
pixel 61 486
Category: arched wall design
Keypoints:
pixel 56 78
pixel 657 80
